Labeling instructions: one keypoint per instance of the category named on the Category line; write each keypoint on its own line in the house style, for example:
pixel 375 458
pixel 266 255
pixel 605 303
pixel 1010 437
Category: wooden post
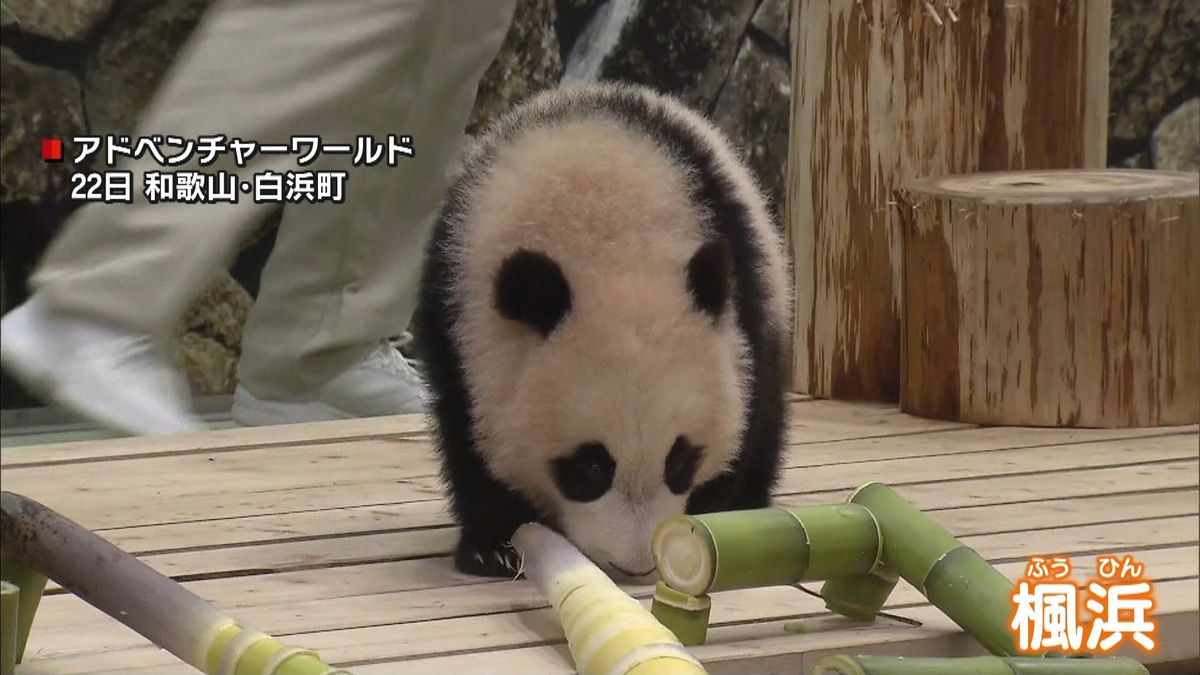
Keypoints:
pixel 886 90
pixel 1059 298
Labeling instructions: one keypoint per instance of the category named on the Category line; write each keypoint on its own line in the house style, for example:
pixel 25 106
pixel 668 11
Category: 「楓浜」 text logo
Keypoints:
pixel 1052 612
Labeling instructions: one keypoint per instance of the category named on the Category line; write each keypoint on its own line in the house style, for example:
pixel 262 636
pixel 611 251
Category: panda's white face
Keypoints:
pixel 613 439
pixel 604 364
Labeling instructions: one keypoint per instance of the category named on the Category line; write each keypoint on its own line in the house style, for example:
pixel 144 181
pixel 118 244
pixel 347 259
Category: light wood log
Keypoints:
pixel 887 90
pixel 1055 298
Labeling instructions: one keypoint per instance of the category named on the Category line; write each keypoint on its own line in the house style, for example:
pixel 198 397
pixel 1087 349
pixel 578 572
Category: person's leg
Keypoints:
pixel 343 277
pixel 256 70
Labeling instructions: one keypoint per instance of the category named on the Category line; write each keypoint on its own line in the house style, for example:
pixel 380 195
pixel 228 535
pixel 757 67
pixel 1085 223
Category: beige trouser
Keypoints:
pixel 341 276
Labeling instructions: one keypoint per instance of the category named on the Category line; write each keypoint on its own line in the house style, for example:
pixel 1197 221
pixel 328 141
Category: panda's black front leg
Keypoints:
pixel 718 494
pixel 481 553
pixel 485 542
pixel 489 514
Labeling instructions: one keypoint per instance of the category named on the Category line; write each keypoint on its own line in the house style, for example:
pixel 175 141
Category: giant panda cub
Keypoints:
pixel 603 315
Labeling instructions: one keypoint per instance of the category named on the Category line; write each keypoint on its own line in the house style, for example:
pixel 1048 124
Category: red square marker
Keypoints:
pixel 52 150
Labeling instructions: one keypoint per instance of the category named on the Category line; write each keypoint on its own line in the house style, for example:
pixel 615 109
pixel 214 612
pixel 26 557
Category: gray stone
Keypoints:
pixel 680 47
pixel 64 20
pixel 753 110
pixel 36 103
pixel 528 62
pixel 1140 160
pixel 210 336
pixel 210 368
pixel 772 19
pixel 1177 139
pixel 1154 60
pixel 136 50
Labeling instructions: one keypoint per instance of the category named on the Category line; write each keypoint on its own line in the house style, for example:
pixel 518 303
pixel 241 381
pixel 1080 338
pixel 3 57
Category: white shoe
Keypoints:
pixel 384 383
pixel 117 378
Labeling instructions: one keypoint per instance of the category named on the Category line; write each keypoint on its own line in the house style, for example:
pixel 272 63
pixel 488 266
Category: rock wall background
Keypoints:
pixel 88 66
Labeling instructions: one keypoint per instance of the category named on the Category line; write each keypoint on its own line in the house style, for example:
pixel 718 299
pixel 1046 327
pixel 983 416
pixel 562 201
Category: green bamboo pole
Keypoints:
pixel 981 665
pixel 31 584
pixel 777 546
pixel 860 598
pixel 953 577
pixel 685 615
pixel 135 594
pixel 10 595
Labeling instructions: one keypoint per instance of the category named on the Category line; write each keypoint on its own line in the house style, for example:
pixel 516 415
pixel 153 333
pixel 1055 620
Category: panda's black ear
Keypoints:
pixel 531 288
pixel 708 276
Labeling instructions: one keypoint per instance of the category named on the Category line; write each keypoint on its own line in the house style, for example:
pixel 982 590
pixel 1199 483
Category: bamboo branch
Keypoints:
pixel 953 577
pixel 607 630
pixel 133 593
pixel 685 615
pixel 30 585
pixel 10 596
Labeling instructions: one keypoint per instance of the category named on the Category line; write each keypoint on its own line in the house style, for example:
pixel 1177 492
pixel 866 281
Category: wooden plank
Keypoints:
pixel 964 440
pixel 334 547
pixel 335 522
pixel 135 537
pixel 396 545
pixel 993 463
pixel 822 420
pixel 401 426
pixel 1021 488
pixel 366 519
pixel 126 509
pixel 377 579
pixel 233 484
pixel 408 428
pixel 780 654
pixel 540 626
pixel 436 572
pixel 926 494
pixel 244 471
pixel 226 472
pixel 97 632
pixel 316 613
pixel 741 633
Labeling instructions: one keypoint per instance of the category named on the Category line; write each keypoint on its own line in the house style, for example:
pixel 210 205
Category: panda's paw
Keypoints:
pixel 491 559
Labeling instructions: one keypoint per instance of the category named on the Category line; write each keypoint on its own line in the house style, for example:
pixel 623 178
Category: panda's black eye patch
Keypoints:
pixel 680 470
pixel 532 289
pixel 586 474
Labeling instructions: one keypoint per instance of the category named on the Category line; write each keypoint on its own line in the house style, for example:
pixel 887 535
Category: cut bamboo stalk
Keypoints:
pixel 607 631
pixel 888 90
pixel 954 578
pixel 860 598
pixel 1052 298
pixel 11 597
pixel 777 546
pixel 31 584
pixel 685 615
pixel 133 593
pixel 980 665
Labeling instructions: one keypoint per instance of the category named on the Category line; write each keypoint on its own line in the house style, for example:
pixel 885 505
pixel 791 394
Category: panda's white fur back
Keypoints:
pixel 633 365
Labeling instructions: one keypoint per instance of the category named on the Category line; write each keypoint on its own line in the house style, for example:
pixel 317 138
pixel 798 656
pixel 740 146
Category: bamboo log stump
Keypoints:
pixel 1052 298
pixel 889 90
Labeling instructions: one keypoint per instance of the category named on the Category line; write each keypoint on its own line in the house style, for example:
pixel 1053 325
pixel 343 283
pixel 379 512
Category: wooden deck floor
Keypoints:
pixel 334 537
